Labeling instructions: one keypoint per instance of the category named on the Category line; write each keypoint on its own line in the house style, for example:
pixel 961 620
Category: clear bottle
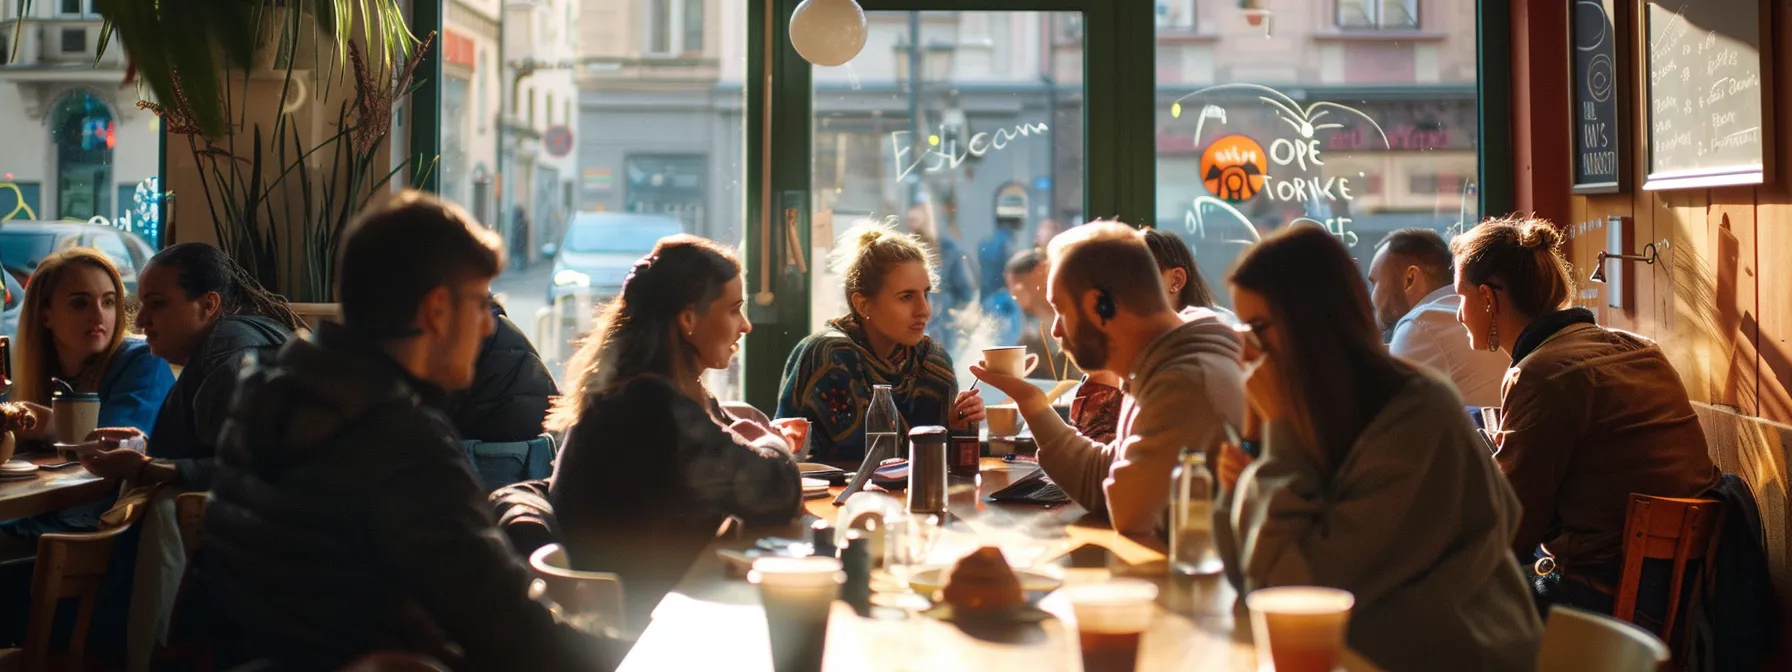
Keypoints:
pixel 1191 516
pixel 881 427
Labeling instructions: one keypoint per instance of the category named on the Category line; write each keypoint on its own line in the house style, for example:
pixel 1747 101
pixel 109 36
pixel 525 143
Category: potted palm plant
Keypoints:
pixel 193 45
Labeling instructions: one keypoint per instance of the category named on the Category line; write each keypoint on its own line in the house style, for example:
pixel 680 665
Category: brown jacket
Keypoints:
pixel 1589 417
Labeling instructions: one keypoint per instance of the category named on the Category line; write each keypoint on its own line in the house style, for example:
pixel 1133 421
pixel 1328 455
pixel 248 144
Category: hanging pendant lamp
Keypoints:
pixel 828 32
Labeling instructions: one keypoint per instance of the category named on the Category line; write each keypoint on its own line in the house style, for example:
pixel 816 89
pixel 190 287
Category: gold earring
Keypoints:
pixel 1493 337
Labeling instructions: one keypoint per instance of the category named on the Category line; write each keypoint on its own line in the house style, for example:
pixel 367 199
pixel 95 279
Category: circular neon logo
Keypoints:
pixel 1232 168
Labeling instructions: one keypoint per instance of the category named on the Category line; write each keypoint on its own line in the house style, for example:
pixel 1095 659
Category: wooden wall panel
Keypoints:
pixel 1731 238
pixel 1773 245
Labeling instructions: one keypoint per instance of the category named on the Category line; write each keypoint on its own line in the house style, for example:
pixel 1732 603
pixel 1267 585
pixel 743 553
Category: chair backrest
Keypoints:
pixel 579 593
pixel 1582 641
pixel 394 661
pixel 189 510
pixel 1667 528
pixel 68 566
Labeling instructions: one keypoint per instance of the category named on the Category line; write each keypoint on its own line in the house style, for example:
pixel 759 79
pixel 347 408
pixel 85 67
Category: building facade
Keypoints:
pixel 540 127
pixel 1363 114
pixel 77 146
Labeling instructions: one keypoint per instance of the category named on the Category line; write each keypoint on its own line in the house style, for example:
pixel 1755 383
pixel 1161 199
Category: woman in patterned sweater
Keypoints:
pixel 882 340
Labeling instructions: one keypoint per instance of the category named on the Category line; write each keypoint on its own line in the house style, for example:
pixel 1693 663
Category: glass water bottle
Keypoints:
pixel 881 427
pixel 1191 516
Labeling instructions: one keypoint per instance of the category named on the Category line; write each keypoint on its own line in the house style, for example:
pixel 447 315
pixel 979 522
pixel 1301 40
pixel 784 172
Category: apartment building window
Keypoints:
pixel 1177 15
pixel 674 27
pixel 74 40
pixel 1378 14
pixel 70 6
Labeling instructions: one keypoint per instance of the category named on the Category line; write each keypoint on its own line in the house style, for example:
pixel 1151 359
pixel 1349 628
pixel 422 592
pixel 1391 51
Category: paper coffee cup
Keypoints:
pixel 798 594
pixel 1299 628
pixel 1110 619
pixel 77 415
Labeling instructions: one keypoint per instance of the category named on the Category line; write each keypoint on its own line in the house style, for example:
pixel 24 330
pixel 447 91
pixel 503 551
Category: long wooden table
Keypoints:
pixel 714 620
pixel 51 489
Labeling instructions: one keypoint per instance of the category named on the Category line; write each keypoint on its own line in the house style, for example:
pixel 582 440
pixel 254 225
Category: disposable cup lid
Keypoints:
pixel 78 396
pixel 1303 600
pixel 1114 593
pixel 813 571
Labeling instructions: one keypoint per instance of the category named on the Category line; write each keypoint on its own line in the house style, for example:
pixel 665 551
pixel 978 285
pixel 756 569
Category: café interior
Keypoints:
pixel 935 528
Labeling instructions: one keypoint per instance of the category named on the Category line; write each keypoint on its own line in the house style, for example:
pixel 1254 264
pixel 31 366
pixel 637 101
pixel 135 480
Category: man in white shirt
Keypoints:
pixel 1411 284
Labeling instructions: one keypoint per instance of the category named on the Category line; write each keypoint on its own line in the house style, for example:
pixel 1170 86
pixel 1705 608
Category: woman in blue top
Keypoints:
pixel 73 329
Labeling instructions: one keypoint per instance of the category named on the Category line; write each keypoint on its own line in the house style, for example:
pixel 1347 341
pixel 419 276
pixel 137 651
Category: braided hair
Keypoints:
pixel 204 268
pixel 637 332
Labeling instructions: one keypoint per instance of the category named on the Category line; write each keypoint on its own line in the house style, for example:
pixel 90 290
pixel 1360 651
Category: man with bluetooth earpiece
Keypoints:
pixel 1181 376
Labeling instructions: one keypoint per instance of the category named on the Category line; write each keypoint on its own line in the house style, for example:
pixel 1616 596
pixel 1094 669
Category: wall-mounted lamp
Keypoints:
pixel 1616 293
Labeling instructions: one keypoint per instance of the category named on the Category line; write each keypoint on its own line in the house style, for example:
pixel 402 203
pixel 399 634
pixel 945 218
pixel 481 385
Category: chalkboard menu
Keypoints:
pixel 1706 121
pixel 1598 130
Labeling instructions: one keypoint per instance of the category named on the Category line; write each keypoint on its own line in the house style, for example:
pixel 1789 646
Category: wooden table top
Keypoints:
pixel 713 620
pixel 51 489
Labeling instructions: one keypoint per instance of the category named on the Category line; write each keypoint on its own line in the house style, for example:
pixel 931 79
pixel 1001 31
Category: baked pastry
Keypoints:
pixel 983 581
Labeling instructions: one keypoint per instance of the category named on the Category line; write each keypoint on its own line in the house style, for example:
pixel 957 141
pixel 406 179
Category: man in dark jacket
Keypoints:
pixel 511 390
pixel 344 518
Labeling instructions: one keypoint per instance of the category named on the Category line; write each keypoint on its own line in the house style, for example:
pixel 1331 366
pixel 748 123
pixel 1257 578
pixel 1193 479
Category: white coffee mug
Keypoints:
pixel 1008 360
pixel 1004 420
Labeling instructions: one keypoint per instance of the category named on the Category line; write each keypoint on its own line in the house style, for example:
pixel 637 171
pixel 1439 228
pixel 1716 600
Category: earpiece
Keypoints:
pixel 1104 305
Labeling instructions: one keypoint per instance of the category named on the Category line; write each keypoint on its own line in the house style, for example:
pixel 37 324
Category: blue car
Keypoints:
pixel 600 248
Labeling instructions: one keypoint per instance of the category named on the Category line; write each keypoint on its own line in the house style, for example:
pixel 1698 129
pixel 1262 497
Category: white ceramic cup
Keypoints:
pixel 1299 628
pixel 798 594
pixel 1012 360
pixel 1004 420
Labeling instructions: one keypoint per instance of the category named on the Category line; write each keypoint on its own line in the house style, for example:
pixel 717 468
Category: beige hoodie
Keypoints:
pixel 1416 523
pixel 1181 387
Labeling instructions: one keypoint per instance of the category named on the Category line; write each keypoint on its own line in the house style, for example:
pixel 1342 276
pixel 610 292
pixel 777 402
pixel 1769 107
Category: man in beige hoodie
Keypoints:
pixel 1181 376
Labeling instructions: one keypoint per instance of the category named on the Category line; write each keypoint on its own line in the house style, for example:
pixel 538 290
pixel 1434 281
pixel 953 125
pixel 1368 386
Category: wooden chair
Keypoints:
pixel 576 592
pixel 1582 641
pixel 394 661
pixel 189 513
pixel 68 566
pixel 1666 528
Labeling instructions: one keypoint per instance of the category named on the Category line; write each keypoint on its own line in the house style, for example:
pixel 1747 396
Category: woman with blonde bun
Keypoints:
pixel 882 340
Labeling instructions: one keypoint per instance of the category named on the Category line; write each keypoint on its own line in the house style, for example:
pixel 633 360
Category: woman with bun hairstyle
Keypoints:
pixel 1588 414
pixel 882 340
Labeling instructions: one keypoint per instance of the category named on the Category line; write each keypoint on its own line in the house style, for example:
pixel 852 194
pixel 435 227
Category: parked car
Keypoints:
pixel 600 248
pixel 24 244
pixel 15 303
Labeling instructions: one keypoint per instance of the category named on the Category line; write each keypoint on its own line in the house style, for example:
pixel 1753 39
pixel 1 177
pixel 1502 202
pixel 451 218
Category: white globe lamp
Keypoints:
pixel 828 32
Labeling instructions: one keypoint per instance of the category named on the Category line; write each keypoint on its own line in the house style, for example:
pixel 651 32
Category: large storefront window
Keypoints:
pixel 583 131
pixel 963 127
pixel 1268 119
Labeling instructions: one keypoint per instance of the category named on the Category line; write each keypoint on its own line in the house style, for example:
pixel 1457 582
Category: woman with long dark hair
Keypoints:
pixel 1588 416
pixel 652 463
pixel 204 313
pixel 1371 479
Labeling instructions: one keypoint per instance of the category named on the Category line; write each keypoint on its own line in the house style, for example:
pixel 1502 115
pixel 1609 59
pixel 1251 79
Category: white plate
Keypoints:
pixel 930 581
pixel 17 467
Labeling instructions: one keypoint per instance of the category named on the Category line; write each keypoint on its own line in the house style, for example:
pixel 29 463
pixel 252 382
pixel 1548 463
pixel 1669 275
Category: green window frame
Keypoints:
pixel 1119 140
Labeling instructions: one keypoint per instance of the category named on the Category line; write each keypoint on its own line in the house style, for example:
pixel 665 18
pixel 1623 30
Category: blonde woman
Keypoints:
pixel 73 329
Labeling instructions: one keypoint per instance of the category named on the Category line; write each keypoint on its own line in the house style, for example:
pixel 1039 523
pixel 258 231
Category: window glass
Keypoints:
pixel 77 148
pixel 1265 119
pixel 963 127
pixel 598 150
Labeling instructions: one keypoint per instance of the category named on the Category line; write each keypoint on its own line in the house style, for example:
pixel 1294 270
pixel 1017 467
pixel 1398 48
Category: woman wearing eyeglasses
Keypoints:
pixel 1371 478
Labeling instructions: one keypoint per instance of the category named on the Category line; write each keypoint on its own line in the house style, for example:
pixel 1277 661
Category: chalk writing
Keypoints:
pixel 946 152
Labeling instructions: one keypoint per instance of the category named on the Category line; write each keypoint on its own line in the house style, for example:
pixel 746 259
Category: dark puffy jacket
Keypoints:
pixel 186 429
pixel 345 520
pixel 511 389
pixel 647 477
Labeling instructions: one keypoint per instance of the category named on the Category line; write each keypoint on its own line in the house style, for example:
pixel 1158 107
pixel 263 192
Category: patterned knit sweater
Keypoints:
pixel 828 380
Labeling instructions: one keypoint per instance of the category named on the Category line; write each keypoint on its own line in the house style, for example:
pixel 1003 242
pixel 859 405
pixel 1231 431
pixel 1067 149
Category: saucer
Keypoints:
pixel 20 467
